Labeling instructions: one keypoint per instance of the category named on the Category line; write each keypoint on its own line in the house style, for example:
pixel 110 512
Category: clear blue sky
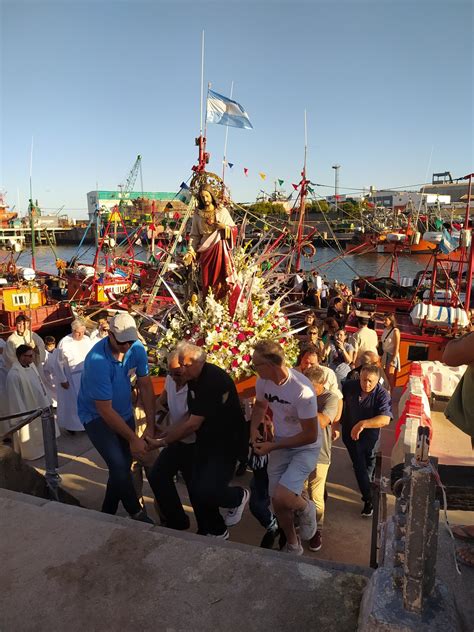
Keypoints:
pixel 387 84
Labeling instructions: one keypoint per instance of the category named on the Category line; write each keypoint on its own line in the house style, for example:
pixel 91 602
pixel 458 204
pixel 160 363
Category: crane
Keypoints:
pixel 127 188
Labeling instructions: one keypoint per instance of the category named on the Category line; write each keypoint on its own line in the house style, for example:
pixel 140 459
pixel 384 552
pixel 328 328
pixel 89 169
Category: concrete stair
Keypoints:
pixel 70 568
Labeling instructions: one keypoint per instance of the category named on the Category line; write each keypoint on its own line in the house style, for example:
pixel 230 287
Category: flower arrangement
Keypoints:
pixel 228 329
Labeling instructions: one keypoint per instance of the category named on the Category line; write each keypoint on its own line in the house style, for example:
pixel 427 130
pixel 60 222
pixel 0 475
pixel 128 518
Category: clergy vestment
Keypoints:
pixel 26 391
pixel 4 425
pixel 28 338
pixel 68 368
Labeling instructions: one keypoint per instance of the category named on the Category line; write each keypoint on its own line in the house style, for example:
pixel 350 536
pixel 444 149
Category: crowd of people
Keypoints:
pixel 199 428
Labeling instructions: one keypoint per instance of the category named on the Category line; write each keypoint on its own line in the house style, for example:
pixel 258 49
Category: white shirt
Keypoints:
pixel 290 402
pixel 178 405
pixel 365 339
pixel 298 283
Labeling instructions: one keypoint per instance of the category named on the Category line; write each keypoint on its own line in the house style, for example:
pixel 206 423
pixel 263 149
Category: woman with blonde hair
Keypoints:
pixel 390 340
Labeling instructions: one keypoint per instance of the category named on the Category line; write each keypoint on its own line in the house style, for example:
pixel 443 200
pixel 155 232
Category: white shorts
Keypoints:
pixel 291 467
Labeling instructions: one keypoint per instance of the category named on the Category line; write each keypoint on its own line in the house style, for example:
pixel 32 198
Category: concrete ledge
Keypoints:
pixel 382 609
pixel 68 568
pixel 80 513
pixel 7 494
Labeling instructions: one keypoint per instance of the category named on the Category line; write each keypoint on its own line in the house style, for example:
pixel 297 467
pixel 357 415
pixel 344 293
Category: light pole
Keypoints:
pixel 336 183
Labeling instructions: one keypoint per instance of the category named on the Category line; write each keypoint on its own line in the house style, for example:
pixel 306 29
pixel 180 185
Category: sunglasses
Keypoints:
pixel 122 344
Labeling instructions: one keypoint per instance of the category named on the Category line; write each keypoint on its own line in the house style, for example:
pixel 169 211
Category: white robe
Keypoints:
pixel 49 372
pixel 26 391
pixel 68 368
pixel 28 338
pixel 3 387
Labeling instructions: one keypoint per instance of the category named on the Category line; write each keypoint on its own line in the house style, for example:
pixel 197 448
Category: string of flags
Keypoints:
pixel 264 175
pixel 224 111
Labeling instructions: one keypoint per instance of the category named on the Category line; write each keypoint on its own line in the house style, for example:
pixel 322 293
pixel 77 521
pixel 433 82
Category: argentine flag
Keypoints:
pixel 224 111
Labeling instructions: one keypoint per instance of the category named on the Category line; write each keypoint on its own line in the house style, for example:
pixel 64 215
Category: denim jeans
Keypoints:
pixel 259 503
pixel 115 451
pixel 362 455
pixel 177 457
pixel 210 490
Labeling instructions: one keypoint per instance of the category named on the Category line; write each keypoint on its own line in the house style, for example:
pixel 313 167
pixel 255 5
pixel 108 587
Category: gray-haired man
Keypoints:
pixel 216 417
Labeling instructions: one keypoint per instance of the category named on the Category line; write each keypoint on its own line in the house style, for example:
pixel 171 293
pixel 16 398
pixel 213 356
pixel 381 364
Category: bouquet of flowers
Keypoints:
pixel 229 328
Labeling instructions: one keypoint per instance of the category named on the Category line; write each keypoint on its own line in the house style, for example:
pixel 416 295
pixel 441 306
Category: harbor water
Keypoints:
pixel 326 260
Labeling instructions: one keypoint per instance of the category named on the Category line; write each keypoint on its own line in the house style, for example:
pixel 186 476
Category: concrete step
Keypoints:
pixel 66 567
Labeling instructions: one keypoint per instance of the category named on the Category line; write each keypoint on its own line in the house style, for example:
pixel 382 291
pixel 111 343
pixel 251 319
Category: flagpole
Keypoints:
pixel 225 141
pixel 203 157
pixel 207 97
pixel 202 75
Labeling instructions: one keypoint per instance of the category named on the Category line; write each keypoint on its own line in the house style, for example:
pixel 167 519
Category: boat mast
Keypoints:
pixel 30 210
pixel 471 250
pixel 303 192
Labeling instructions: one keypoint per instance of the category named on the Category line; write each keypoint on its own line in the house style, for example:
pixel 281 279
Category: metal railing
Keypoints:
pixel 49 442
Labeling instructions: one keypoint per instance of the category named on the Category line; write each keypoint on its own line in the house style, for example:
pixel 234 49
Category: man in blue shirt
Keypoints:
pixel 105 408
pixel 367 408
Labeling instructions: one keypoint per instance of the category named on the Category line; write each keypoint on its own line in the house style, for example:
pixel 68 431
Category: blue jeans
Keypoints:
pixel 362 455
pixel 115 451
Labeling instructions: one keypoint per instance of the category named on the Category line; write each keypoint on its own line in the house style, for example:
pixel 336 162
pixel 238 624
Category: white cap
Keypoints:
pixel 124 328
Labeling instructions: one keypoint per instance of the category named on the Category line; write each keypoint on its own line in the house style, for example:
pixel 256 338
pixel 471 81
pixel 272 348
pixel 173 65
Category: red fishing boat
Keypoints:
pixel 432 311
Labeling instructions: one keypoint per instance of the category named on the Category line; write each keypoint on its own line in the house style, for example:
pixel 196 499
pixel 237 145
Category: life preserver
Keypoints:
pixel 11 268
pixel 308 250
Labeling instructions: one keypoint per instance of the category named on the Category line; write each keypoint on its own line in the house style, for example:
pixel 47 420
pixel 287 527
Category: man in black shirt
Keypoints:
pixel 217 419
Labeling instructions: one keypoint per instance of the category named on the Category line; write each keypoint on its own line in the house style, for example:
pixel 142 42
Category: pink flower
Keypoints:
pixel 246 358
pixel 235 364
pixel 218 329
pixel 234 350
pixel 241 337
pixel 216 347
pixel 225 345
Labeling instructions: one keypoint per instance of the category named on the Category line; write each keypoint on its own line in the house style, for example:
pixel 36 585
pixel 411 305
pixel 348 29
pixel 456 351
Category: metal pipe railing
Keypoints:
pixel 49 442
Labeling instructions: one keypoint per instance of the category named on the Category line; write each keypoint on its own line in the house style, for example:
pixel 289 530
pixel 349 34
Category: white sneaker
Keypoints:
pixel 307 521
pixel 235 514
pixel 221 536
pixel 294 549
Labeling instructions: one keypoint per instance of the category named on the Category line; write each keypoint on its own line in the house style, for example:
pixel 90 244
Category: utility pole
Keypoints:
pixel 336 184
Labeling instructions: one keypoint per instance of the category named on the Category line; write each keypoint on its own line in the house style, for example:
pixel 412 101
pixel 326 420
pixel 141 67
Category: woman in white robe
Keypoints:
pixel 26 391
pixel 71 353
